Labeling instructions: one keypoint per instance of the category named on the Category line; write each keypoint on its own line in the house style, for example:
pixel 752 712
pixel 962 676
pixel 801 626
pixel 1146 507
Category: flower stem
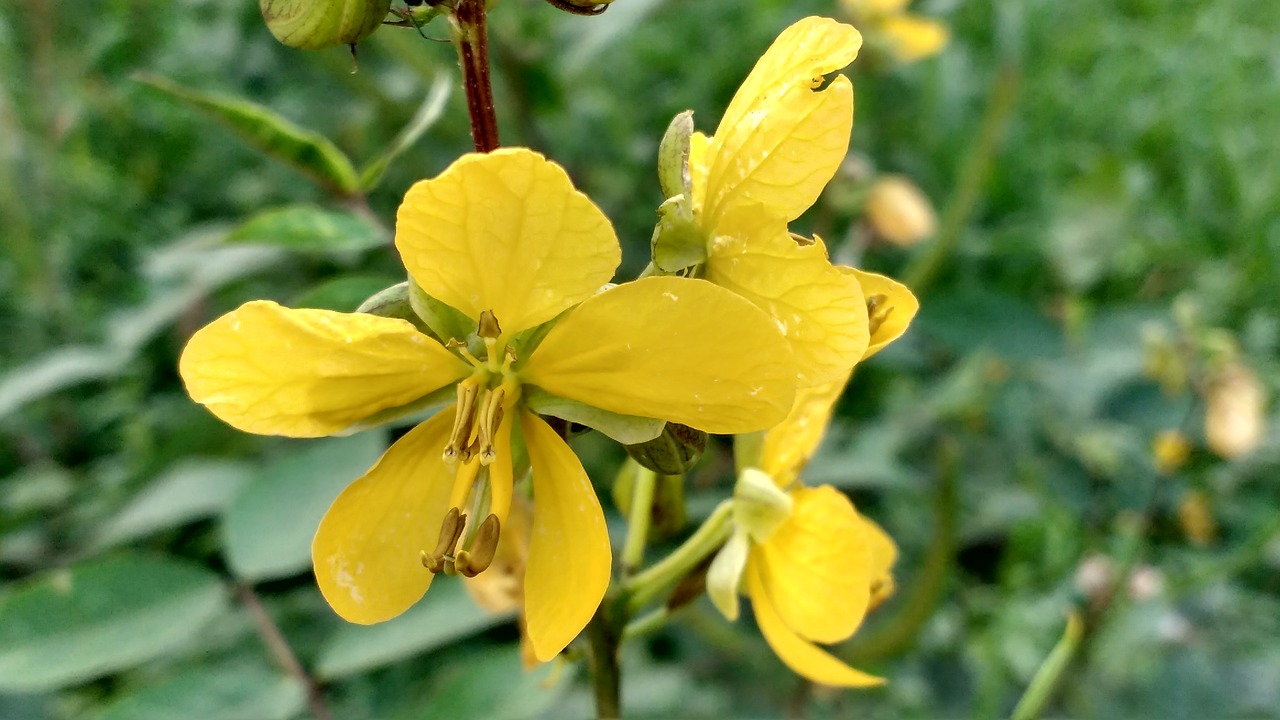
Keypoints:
pixel 471 39
pixel 1045 683
pixel 639 519
pixel 279 647
pixel 645 586
pixel 606 675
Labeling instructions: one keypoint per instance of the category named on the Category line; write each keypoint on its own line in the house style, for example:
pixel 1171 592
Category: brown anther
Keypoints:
pixel 460 437
pixel 801 240
pixel 476 560
pixel 491 413
pixel 441 559
pixel 489 327
pixel 877 312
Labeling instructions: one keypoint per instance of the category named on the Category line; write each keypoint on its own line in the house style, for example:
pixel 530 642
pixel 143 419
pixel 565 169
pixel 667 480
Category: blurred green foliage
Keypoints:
pixel 1093 161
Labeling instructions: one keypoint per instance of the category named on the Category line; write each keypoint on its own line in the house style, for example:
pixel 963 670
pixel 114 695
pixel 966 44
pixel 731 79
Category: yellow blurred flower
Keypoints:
pixel 898 212
pixel 520 257
pixel 780 141
pixel 1234 412
pixel 1195 515
pixel 1170 451
pixel 908 37
pixel 813 567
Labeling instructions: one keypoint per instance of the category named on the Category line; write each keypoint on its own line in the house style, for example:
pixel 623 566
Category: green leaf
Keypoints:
pixel 57 370
pixel 78 623
pixel 307 151
pixel 426 116
pixel 219 692
pixel 270 523
pixel 306 228
pixel 444 615
pixel 466 688
pixel 626 429
pixel 191 489
pixel 343 294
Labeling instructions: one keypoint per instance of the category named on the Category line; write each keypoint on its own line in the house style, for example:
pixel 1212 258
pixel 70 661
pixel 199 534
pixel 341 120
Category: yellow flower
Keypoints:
pixel 813 567
pixel 780 140
pixel 908 37
pixel 516 257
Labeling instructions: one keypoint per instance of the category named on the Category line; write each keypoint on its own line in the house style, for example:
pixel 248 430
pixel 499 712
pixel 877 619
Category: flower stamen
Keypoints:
pixel 877 312
pixel 461 437
pixel 484 546
pixel 441 560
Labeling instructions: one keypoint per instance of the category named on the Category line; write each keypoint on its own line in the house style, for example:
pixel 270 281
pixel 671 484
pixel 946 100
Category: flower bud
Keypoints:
pixel 898 212
pixel 1195 515
pixel 673 452
pixel 319 24
pixel 1233 420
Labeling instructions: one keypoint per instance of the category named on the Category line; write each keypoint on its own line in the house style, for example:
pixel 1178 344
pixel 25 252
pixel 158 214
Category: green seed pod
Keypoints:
pixel 673 452
pixel 319 24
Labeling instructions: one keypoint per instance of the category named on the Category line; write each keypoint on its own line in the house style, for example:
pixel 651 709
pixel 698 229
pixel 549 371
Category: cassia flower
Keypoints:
pixel 512 260
pixel 811 565
pixel 781 139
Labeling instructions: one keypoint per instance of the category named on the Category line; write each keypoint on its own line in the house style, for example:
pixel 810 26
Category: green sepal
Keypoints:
pixel 445 323
pixel 677 242
pixel 393 302
pixel 626 429
pixel 676 449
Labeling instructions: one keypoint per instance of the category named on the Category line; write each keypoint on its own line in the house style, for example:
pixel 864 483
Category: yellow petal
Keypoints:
pixel 367 551
pixel 569 553
pixel 902 305
pixel 884 553
pixel 265 369
pixel 820 310
pixel 671 348
pixel 914 37
pixel 698 144
pixel 507 232
pixel 800 655
pixel 780 141
pixel 790 444
pixel 816 566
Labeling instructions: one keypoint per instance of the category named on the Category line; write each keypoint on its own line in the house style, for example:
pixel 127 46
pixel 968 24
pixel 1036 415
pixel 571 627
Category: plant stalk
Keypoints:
pixel 471 39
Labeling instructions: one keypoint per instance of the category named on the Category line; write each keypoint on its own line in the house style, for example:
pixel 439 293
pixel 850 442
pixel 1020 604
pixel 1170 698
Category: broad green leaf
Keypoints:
pixel 222 692
pixel 92 619
pixel 466 689
pixel 343 294
pixel 270 523
pixel 422 121
pixel 191 489
pixel 306 228
pixel 444 615
pixel 626 429
pixel 57 370
pixel 305 150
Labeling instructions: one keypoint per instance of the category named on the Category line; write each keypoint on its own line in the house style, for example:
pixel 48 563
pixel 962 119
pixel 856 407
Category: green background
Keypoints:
pixel 1101 169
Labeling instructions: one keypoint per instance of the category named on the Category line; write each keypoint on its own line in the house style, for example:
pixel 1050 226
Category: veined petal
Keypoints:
pixel 897 303
pixel 816 566
pixel 820 310
pixel 800 655
pixel 266 369
pixel 780 140
pixel 367 550
pixel 505 231
pixel 681 350
pixel 789 445
pixel 569 553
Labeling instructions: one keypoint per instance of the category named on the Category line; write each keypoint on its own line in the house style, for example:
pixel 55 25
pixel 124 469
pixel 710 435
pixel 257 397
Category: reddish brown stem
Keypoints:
pixel 473 54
